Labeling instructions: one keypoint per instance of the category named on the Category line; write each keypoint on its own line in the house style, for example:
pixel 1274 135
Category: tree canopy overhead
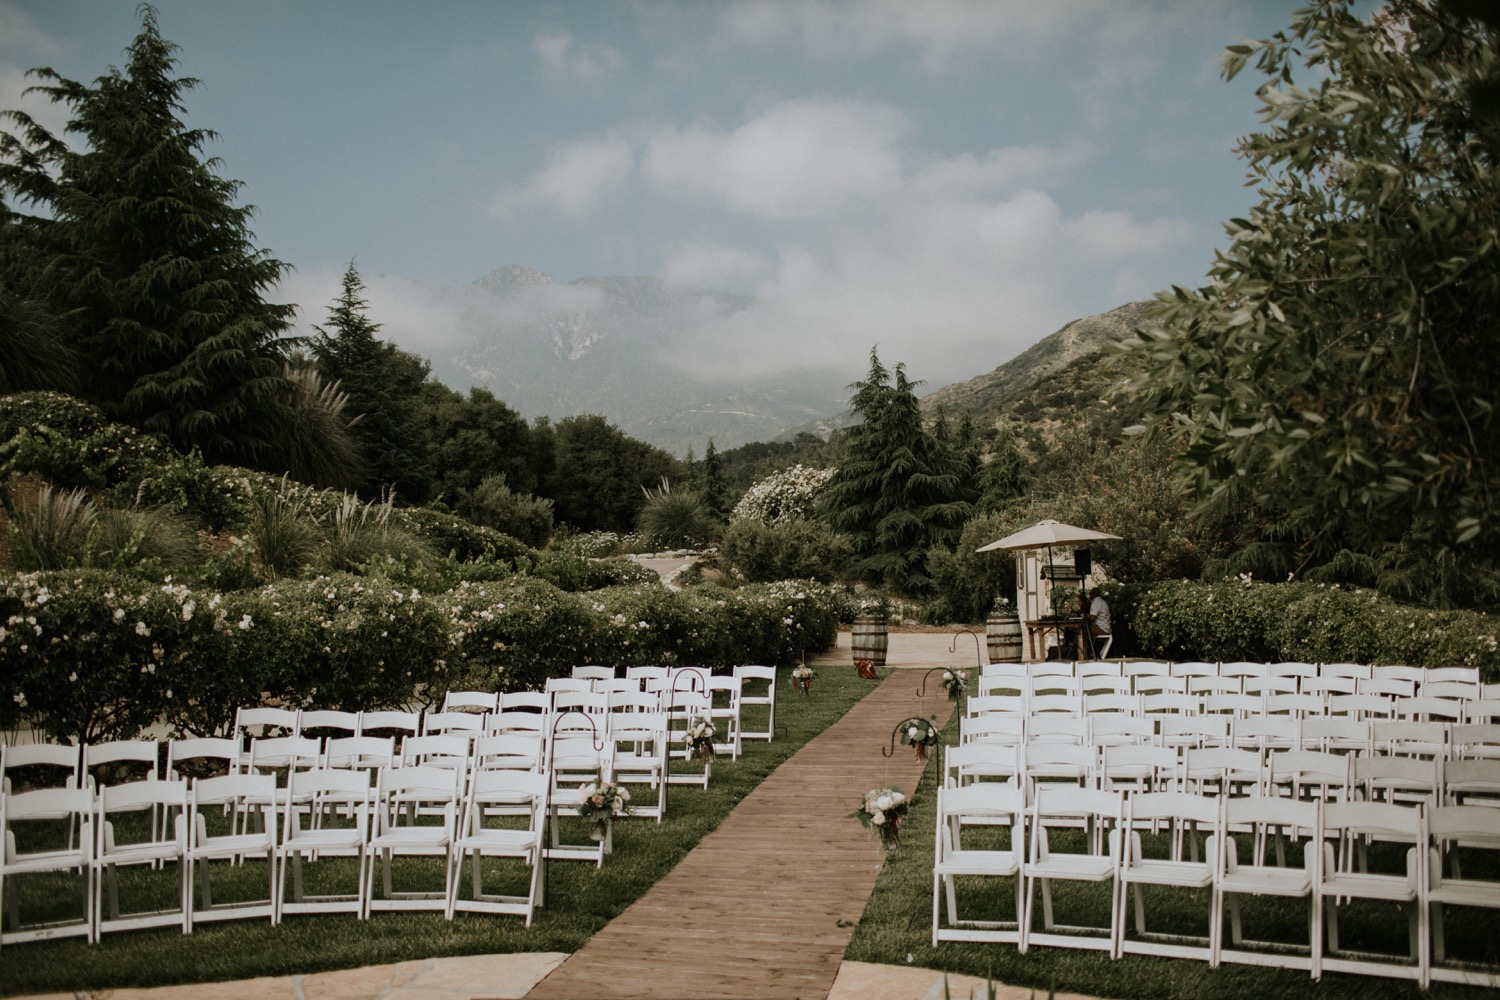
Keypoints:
pixel 1338 371
pixel 146 264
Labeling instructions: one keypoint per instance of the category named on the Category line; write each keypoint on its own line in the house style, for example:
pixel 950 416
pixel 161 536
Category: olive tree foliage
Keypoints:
pixel 1337 372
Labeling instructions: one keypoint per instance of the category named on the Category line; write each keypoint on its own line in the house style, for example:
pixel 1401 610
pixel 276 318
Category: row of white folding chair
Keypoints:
pixel 1042 698
pixel 659 678
pixel 1254 678
pixel 1395 736
pixel 1298 773
pixel 1335 870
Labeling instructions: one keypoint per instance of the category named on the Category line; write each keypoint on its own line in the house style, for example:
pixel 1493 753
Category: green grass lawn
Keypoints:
pixel 580 898
pixel 896 928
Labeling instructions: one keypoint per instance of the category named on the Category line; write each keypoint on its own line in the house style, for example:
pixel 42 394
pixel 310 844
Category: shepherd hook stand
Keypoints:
pixel 890 751
pixel 978 652
pixel 598 742
pixel 922 691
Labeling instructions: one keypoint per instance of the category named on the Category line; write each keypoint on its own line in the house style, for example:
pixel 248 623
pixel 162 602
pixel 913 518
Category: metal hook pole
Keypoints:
pixel 598 741
pixel 978 649
pixel 922 691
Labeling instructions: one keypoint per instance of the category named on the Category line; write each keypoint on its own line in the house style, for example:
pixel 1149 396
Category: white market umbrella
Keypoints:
pixel 1045 534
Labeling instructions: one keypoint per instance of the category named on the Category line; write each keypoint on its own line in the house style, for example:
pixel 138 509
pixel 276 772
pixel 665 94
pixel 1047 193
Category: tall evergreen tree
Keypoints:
pixel 715 488
pixel 148 261
pixel 896 491
pixel 384 388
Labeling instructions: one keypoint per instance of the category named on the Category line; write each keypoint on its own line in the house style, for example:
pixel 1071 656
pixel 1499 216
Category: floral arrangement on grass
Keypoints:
pixel 955 682
pixel 882 810
pixel 866 669
pixel 699 737
pixel 919 734
pixel 602 801
pixel 802 678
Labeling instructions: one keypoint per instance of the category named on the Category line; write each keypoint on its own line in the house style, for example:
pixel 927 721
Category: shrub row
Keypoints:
pixel 88 655
pixel 1240 619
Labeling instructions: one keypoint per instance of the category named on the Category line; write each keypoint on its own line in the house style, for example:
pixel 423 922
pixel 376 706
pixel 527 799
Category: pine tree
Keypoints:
pixel 896 489
pixel 384 388
pixel 715 488
pixel 149 263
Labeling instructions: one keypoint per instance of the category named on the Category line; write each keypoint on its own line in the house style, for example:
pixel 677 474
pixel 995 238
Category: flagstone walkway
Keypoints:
pixel 765 905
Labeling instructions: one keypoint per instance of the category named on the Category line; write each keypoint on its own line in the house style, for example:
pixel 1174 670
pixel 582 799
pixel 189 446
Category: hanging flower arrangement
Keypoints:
pixel 699 737
pixel 602 801
pixel 955 682
pixel 919 734
pixel 882 810
pixel 802 679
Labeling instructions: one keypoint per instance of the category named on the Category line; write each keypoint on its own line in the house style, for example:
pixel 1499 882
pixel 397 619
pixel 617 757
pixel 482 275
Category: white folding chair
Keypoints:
pixel 335 824
pixel 517 722
pixel 201 757
pixel 363 753
pixel 1475 740
pixel 1142 767
pixel 1336 735
pixel 525 701
pixel 283 753
pixel 1114 730
pixel 984 810
pixel 1008 730
pixel 1096 860
pixel 416 816
pixel 594 673
pixel 573 762
pixel 393 723
pixel 1472 832
pixel 119 761
pixel 327 723
pixel 29 831
pixel 725 702
pixel 1165 815
pixel 128 834
pixel 488 829
pixel 1471 782
pixel 262 722
pixel 641 755
pixel 439 723
pixel 507 752
pixel 62 764
pixel 970 762
pixel 1244 873
pixel 476 702
pixel 1346 879
pixel 231 818
pixel 1193 732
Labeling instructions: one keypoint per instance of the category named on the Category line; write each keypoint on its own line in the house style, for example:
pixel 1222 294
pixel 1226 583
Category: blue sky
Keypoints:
pixel 950 179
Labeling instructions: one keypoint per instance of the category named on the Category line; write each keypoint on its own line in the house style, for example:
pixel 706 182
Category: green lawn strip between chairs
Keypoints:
pixel 580 898
pixel 896 929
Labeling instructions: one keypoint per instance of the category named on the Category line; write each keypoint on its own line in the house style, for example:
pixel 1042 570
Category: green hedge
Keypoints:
pixel 91 655
pixel 1245 620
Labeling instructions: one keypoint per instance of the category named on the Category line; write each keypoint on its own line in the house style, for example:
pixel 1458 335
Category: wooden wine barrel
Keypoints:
pixel 1002 635
pixel 870 640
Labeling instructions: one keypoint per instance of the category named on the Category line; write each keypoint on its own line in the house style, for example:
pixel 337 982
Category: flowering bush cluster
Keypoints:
pixel 1242 619
pixel 70 443
pixel 791 494
pixel 92 654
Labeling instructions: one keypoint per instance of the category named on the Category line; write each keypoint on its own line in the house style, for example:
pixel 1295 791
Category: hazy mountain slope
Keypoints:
pixel 599 345
pixel 1055 381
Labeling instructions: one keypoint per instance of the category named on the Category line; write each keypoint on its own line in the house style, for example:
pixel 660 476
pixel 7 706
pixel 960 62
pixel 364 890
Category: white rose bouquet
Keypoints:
pixel 602 801
pixel 699 737
pixel 882 810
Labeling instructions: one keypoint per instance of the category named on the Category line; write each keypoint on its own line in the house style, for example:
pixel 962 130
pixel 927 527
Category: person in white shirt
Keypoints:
pixel 1098 615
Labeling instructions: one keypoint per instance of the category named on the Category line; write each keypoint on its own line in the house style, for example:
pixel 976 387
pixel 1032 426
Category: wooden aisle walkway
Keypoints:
pixel 780 883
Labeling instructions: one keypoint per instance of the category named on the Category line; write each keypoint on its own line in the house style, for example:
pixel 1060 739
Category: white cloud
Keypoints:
pixel 576 178
pixel 19 33
pixel 799 159
pixel 589 62
pixel 1115 235
pixel 712 265
pixel 940 32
